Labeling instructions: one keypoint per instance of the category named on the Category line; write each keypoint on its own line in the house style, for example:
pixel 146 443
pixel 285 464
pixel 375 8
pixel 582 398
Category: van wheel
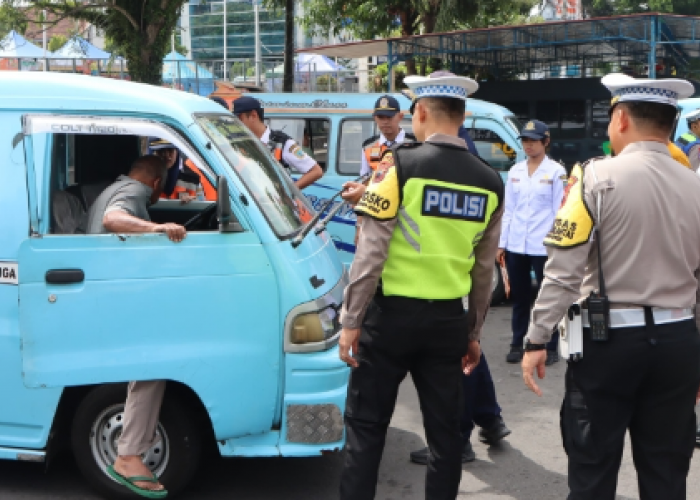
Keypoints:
pixel 97 426
pixel 498 288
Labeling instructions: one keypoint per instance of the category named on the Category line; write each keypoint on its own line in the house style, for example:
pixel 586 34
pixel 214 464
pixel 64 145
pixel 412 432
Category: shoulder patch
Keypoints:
pixel 370 141
pixel 573 224
pixel 381 198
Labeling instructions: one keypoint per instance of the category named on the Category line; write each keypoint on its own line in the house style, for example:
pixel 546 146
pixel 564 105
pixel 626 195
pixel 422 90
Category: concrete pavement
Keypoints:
pixel 530 464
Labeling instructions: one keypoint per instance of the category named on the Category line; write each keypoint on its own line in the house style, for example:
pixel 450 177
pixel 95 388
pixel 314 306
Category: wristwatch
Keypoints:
pixel 529 346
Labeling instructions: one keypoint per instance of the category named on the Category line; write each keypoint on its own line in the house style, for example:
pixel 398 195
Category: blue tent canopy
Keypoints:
pixel 79 48
pixel 15 45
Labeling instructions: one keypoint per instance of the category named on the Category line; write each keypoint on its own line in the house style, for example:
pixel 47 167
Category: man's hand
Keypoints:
pixel 500 254
pixel 186 198
pixel 349 338
pixel 175 232
pixel 352 192
pixel 532 360
pixel 472 358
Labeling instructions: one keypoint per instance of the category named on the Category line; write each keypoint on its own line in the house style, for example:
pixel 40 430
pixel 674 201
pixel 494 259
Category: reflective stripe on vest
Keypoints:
pixel 373 154
pixel 431 254
pixel 686 142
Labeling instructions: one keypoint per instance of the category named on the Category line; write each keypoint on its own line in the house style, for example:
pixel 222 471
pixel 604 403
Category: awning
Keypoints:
pixel 353 50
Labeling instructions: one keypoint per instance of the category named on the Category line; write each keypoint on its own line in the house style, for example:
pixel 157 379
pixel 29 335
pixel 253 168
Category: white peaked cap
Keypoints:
pixel 441 84
pixel 625 89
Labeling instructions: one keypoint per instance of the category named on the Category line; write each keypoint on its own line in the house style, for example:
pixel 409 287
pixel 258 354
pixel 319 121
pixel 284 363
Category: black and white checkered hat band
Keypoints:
pixel 441 91
pixel 646 94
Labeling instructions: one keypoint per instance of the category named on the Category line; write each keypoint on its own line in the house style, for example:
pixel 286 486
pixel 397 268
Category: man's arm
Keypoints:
pixel 482 274
pixel 310 177
pixel 120 221
pixel 694 157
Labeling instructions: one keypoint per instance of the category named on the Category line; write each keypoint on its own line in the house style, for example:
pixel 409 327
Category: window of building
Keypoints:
pixel 565 119
pixel 352 134
pixel 599 119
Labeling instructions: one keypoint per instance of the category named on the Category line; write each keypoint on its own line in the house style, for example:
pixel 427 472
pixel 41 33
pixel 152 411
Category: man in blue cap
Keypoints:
pixel 284 148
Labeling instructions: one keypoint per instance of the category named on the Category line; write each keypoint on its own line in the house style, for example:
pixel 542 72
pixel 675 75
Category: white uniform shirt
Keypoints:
pixel 531 203
pixel 292 154
pixel 365 169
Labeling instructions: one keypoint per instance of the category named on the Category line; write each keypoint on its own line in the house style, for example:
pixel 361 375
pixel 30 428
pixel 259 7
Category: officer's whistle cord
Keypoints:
pixel 307 228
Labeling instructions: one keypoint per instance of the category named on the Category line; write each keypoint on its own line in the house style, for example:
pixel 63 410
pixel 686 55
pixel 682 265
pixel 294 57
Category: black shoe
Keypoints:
pixel 552 357
pixel 421 456
pixel 468 454
pixel 494 433
pixel 515 355
pixel 697 438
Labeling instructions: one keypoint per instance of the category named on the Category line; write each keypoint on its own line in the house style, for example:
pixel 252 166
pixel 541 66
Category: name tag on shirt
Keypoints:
pixel 546 181
pixel 454 204
pixel 514 180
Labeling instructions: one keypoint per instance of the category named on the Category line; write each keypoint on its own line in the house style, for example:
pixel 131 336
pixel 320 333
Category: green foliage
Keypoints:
pixel 599 8
pixel 326 83
pixel 56 42
pixel 139 30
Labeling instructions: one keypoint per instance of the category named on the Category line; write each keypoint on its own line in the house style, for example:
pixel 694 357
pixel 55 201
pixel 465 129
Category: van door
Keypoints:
pixel 111 308
pixel 494 144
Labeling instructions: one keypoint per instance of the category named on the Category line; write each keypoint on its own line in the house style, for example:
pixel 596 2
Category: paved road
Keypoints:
pixel 529 465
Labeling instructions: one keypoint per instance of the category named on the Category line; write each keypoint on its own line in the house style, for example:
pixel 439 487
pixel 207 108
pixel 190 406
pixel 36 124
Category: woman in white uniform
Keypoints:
pixel 534 191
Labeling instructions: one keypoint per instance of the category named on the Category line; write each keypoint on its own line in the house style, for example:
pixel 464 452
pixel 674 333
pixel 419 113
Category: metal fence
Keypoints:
pixel 199 76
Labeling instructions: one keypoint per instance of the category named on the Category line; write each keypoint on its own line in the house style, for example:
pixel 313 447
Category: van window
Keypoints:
pixel 352 134
pixel 281 202
pixel 493 149
pixel 311 133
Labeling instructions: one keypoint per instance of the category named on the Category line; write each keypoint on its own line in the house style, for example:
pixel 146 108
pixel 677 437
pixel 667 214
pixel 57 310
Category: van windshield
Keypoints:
pixel 275 193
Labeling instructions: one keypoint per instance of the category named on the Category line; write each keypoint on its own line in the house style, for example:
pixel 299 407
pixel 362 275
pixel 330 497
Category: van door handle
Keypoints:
pixel 64 276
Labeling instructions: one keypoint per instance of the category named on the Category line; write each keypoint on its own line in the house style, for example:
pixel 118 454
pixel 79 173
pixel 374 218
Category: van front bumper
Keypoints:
pixel 314 403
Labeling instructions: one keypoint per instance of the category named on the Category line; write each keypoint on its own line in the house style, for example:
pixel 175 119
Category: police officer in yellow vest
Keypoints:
pixel 432 216
pixel 690 141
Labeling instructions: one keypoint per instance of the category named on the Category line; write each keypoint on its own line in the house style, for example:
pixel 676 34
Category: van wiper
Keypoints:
pixel 307 228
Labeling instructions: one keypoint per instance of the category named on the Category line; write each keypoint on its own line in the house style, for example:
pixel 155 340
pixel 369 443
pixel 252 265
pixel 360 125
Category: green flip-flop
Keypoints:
pixel 129 483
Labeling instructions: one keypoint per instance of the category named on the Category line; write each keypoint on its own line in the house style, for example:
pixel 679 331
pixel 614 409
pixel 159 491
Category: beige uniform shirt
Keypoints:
pixel 373 249
pixel 650 239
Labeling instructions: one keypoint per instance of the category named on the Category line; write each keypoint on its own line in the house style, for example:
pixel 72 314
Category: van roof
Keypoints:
pixel 35 90
pixel 339 103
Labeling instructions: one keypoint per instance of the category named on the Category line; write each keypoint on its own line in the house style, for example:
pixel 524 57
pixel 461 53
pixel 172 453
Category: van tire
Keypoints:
pixel 498 288
pixel 181 454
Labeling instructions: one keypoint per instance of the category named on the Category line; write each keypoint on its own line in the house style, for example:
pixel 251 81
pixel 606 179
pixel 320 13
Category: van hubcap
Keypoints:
pixel 105 433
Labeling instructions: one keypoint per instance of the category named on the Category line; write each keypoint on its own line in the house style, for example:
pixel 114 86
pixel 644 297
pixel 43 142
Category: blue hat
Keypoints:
pixel 155 143
pixel 245 104
pixel 386 106
pixel 534 129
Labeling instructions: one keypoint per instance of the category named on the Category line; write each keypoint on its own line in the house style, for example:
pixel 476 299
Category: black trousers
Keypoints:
pixel 644 379
pixel 522 295
pixel 427 340
pixel 480 404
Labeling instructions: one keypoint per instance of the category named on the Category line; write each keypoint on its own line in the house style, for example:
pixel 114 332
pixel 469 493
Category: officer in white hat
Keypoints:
pixel 690 141
pixel 429 238
pixel 625 247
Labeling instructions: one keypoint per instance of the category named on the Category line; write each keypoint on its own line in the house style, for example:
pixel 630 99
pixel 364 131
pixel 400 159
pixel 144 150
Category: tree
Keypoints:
pixel 288 6
pixel 56 42
pixel 599 8
pixel 380 18
pixel 140 29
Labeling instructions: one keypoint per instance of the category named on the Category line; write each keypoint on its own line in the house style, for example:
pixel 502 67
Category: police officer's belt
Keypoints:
pixel 627 318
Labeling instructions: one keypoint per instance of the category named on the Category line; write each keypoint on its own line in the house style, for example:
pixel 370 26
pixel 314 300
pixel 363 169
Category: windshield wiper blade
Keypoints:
pixel 307 228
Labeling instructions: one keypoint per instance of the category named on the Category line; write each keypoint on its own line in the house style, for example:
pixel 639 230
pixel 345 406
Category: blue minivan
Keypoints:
pixel 241 318
pixel 332 128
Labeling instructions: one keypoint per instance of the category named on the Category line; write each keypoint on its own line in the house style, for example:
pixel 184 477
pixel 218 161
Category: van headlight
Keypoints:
pixel 315 326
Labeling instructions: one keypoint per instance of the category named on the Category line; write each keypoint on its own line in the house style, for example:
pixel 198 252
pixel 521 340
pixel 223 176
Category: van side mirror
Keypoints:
pixel 227 221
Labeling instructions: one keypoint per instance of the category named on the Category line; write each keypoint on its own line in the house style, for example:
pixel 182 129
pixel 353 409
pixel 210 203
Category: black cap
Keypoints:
pixel 386 106
pixel 245 104
pixel 220 101
pixel 534 129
